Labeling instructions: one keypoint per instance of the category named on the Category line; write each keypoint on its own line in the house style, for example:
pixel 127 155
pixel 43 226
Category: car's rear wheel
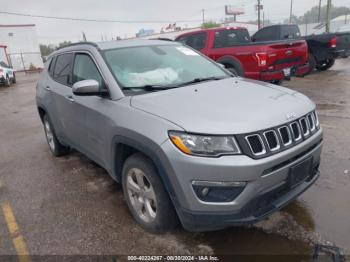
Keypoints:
pixel 146 196
pixel 312 63
pixel 7 81
pixel 326 65
pixel 14 79
pixel 55 146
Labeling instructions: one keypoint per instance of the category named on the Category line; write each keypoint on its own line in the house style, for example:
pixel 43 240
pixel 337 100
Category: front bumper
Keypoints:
pixel 279 74
pixel 264 193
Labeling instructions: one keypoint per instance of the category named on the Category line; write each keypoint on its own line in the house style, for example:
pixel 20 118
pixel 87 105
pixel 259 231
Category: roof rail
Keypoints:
pixel 79 43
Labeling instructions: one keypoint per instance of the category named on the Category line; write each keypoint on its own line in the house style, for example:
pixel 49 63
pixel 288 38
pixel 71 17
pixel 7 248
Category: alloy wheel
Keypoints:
pixel 141 195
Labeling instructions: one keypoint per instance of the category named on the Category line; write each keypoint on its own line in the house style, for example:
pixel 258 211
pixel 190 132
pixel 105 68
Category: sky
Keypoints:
pixel 164 11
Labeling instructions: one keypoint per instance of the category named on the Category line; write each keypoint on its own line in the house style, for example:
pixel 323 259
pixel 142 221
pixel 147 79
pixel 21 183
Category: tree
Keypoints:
pixel 311 16
pixel 45 50
pixel 210 24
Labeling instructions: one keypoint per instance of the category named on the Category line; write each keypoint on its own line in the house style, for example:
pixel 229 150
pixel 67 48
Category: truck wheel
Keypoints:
pixel 236 70
pixel 312 63
pixel 7 81
pixel 14 79
pixel 57 149
pixel 326 65
pixel 146 196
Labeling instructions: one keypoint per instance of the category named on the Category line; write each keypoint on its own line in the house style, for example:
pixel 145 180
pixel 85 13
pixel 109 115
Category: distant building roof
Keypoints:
pixel 19 25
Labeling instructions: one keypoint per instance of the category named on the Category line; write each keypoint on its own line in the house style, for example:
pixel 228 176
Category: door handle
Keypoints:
pixel 70 98
pixel 48 88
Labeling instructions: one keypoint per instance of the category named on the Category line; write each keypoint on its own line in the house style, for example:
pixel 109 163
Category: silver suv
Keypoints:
pixel 188 141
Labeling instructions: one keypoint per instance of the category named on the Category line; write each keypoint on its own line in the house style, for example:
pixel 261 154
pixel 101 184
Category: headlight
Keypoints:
pixel 203 145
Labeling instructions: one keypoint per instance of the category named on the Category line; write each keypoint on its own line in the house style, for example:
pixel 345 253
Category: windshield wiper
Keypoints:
pixel 149 87
pixel 165 87
pixel 203 79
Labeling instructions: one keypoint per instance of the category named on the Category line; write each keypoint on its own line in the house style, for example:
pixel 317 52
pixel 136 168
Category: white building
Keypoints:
pixel 23 50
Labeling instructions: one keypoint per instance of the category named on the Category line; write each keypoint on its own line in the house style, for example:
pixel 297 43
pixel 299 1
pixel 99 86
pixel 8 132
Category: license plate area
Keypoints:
pixel 299 172
pixel 287 72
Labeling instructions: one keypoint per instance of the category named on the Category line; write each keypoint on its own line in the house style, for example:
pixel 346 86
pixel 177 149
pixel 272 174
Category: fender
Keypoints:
pixel 228 59
pixel 152 151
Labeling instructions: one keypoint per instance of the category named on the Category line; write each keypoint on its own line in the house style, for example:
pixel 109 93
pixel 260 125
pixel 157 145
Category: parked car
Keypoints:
pixel 271 61
pixel 323 49
pixel 188 141
pixel 7 74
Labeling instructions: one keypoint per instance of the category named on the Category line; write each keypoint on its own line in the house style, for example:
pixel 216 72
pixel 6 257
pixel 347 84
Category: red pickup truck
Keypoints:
pixel 271 61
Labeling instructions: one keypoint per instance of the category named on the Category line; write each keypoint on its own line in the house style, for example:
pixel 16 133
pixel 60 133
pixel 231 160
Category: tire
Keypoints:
pixel 276 82
pixel 14 81
pixel 312 63
pixel 56 148
pixel 232 70
pixel 7 81
pixel 146 197
pixel 326 65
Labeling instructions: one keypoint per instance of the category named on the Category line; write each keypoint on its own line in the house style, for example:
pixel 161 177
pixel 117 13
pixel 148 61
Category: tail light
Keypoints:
pixel 262 59
pixel 333 42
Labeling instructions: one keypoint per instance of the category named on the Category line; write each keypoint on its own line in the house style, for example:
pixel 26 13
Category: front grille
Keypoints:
pixel 268 142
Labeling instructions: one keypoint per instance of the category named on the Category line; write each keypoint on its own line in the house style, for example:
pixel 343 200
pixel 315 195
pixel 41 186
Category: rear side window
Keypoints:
pixel 267 34
pixel 51 66
pixel 85 68
pixel 196 41
pixel 63 69
pixel 290 32
pixel 229 38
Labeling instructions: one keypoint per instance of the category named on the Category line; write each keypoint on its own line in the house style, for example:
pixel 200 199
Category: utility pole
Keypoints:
pixel 291 11
pixel 319 11
pixel 263 22
pixel 328 23
pixel 203 18
pixel 259 20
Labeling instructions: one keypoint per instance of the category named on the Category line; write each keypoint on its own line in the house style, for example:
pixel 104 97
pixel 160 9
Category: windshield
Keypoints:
pixel 161 66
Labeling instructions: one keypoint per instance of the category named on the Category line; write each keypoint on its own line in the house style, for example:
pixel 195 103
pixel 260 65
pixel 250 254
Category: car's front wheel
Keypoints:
pixel 55 146
pixel 146 196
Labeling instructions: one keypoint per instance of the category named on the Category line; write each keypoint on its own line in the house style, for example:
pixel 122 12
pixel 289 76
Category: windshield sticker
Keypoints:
pixel 186 51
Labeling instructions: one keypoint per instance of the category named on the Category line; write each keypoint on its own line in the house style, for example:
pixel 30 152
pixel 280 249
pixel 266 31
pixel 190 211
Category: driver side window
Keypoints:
pixel 85 68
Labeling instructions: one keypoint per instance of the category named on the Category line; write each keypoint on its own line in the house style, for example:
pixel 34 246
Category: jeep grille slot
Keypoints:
pixel 304 126
pixel 311 121
pixel 296 131
pixel 285 135
pixel 256 144
pixel 272 140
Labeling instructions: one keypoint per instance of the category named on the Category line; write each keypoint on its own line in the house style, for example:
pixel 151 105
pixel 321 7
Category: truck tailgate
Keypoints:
pixel 343 43
pixel 287 54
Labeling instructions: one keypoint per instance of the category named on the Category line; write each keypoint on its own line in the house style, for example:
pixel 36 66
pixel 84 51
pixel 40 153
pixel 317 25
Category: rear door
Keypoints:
pixel 61 91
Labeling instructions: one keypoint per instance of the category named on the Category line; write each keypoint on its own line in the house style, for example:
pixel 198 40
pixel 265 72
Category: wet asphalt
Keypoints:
pixel 69 205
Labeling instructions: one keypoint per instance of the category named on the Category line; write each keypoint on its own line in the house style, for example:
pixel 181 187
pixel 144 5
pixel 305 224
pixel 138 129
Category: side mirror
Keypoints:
pixel 88 87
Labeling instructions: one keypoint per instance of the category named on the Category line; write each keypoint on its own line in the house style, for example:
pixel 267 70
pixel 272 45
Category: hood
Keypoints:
pixel 228 106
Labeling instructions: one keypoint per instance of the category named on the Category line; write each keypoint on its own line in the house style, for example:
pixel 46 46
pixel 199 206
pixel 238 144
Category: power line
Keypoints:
pixel 98 20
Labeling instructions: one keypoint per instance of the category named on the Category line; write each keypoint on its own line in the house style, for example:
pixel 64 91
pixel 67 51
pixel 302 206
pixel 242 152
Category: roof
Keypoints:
pixel 119 44
pixel 213 29
pixel 19 25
